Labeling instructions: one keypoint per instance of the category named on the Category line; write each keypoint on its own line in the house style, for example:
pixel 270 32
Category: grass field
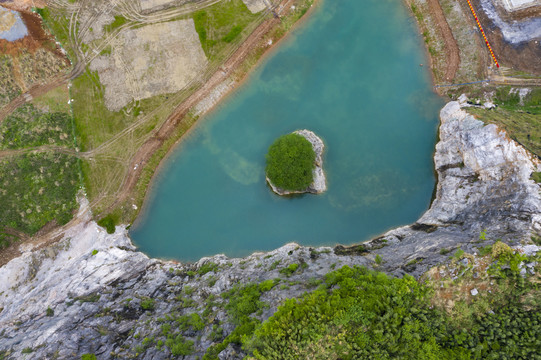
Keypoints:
pixel 57 22
pixel 108 139
pixel 37 188
pixel 518 117
pixel 508 98
pixel 220 24
pixel 29 127
pixel 520 126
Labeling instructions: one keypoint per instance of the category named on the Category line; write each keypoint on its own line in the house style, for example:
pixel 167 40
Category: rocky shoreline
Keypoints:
pixel 319 185
pixel 95 284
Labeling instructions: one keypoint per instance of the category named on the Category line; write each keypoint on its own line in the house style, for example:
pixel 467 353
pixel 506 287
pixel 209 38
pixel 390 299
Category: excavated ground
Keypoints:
pixel 520 57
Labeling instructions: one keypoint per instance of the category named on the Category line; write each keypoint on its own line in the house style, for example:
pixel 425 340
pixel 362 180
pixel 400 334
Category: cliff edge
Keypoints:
pixel 94 293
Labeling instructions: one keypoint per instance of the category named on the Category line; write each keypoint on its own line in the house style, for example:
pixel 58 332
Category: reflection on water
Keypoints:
pixel 351 74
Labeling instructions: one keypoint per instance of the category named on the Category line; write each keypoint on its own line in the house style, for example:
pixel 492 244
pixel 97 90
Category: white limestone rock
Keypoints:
pixel 476 162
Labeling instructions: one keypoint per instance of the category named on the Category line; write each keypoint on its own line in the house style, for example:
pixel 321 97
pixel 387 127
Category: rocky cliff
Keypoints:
pixel 94 293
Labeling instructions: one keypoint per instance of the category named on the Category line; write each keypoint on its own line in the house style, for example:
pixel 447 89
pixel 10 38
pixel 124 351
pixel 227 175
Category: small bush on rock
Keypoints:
pixel 290 162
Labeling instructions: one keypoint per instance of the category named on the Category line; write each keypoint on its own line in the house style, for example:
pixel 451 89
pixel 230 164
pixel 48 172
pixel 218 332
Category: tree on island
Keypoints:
pixel 290 162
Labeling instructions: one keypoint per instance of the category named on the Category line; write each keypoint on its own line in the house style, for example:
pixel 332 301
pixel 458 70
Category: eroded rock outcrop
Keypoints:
pixel 96 298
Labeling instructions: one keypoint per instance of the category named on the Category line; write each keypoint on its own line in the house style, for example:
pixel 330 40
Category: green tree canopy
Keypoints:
pixel 290 162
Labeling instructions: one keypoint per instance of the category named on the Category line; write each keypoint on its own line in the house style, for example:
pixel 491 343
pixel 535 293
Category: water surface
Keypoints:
pixel 351 74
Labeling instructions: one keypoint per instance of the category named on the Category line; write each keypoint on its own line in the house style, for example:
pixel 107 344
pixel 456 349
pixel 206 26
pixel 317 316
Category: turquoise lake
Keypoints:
pixel 351 73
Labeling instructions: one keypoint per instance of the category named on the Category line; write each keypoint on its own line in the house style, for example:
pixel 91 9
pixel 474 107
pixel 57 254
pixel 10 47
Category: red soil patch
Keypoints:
pixel 36 39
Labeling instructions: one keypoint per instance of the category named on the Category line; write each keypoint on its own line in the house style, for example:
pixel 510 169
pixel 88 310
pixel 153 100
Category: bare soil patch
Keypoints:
pixel 451 46
pixel 523 57
pixel 144 154
pixel 155 59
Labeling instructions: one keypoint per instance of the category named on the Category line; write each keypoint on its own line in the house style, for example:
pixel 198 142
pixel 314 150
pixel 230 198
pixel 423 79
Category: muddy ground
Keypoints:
pixel 524 57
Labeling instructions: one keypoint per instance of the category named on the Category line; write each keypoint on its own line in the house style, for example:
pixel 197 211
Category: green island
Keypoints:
pixel 290 162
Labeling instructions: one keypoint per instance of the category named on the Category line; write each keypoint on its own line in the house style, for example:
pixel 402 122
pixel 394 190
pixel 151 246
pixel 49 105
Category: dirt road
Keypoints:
pixel 143 155
pixel 451 46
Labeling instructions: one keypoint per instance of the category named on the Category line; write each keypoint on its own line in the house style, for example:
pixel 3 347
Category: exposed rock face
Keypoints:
pixel 483 185
pixel 478 166
pixel 319 185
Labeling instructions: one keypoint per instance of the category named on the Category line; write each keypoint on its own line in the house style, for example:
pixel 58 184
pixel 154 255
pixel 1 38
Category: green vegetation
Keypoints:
pixel 6 240
pixel 232 35
pixel 417 13
pixel 179 346
pixel 37 188
pixel 362 314
pixel 508 98
pixel 49 312
pixel 458 254
pixel 379 259
pixel 53 101
pixel 356 313
pixel 206 268
pixel 221 24
pixel 288 271
pixel 290 162
pixel 444 251
pixel 243 301
pixel 29 127
pixel 94 252
pixel 58 23
pixel 91 298
pixel 536 176
pixel 8 86
pixel 147 304
pixel 88 357
pixel 109 223
pixel 521 126
pixel 118 22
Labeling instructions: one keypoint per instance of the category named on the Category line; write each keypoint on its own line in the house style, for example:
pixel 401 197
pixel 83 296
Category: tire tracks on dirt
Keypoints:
pixel 451 46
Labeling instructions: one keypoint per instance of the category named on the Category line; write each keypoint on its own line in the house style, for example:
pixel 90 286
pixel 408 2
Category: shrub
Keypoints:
pixel 208 267
pixel 459 253
pixel 444 251
pixel 88 357
pixel 378 259
pixel 109 223
pixel 50 312
pixel 231 35
pixel 288 271
pixel 290 162
pixel 179 345
pixel 147 304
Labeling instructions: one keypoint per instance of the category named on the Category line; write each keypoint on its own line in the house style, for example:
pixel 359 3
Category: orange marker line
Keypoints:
pixel 483 33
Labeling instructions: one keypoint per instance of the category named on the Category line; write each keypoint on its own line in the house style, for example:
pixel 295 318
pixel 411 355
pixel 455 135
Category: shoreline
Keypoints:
pixel 108 279
pixel 237 83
